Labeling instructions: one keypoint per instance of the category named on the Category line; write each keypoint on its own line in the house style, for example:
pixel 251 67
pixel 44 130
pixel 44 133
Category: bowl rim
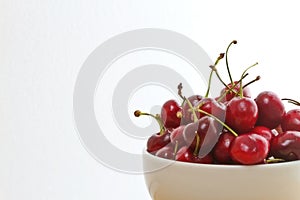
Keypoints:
pixel 218 166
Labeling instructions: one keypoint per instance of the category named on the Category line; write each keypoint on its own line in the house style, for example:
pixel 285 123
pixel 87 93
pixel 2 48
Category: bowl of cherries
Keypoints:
pixel 233 146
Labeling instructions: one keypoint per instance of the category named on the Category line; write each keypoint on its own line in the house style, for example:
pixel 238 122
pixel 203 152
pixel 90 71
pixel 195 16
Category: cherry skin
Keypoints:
pixel 158 141
pixel 249 149
pixel 166 152
pixel 176 136
pixel 286 146
pixel 213 107
pixel 184 154
pixel 270 109
pixel 208 131
pixel 241 114
pixel 187 115
pixel 169 114
pixel 221 151
pixel 291 120
pixel 263 131
pixel 207 159
pixel 235 90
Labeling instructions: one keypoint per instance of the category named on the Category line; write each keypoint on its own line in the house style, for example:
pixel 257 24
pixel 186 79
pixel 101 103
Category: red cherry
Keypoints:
pixel 286 146
pixel 221 151
pixel 186 110
pixel 166 152
pixel 169 114
pixel 249 149
pixel 184 154
pixel 270 109
pixel 235 90
pixel 207 159
pixel 241 114
pixel 208 131
pixel 291 120
pixel 263 131
pixel 213 107
pixel 158 141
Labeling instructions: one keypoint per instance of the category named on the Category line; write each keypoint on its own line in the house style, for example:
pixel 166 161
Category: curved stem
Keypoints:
pixel 138 113
pixel 297 103
pixel 209 82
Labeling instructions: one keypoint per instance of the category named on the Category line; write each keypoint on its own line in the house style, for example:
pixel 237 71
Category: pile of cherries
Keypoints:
pixel 230 129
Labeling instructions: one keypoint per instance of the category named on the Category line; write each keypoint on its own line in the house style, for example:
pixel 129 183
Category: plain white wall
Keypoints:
pixel 43 45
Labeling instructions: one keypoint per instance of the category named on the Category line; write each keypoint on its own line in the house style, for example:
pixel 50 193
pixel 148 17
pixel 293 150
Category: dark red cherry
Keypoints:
pixel 270 109
pixel 249 149
pixel 177 136
pixel 184 154
pixel 234 92
pixel 241 114
pixel 207 159
pixel 208 131
pixel 286 146
pixel 158 141
pixel 169 114
pixel 187 114
pixel 221 151
pixel 166 152
pixel 213 107
pixel 291 120
pixel 263 131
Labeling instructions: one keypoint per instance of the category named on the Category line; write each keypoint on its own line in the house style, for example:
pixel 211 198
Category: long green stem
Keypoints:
pixel 218 120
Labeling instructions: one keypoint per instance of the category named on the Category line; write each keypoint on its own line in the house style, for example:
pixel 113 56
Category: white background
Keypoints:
pixel 43 45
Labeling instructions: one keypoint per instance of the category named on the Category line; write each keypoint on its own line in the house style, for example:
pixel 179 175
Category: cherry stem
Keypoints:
pixel 256 79
pixel 297 103
pixel 230 89
pixel 187 101
pixel 175 149
pixel 192 108
pixel 228 70
pixel 213 68
pixel 218 120
pixel 219 77
pixel 138 113
pixel 197 148
pixel 275 160
pixel 241 85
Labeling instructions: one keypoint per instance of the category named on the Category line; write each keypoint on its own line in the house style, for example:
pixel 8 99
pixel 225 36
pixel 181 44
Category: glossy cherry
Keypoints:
pixel 221 151
pixel 208 131
pixel 169 114
pixel 158 141
pixel 166 152
pixel 249 149
pixel 241 114
pixel 286 146
pixel 270 109
pixel 184 154
pixel 263 131
pixel 291 120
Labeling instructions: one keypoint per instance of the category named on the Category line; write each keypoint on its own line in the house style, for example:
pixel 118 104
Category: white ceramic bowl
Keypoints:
pixel 170 180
